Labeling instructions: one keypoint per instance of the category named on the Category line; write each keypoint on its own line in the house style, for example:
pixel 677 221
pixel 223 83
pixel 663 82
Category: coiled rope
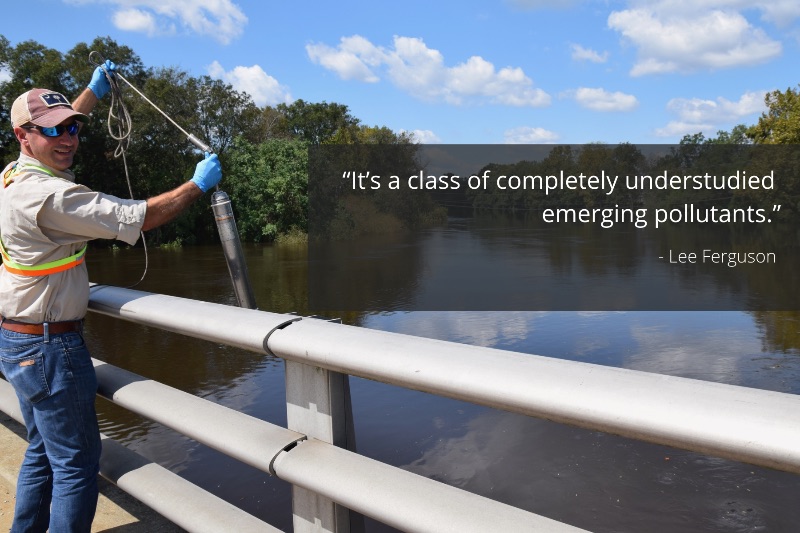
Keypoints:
pixel 120 126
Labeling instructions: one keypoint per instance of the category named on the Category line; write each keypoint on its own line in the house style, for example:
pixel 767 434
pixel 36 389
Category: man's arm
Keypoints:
pixel 97 88
pixel 164 207
pixel 85 102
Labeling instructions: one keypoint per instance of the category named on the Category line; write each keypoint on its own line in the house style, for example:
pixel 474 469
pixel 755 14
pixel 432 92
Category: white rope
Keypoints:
pixel 120 126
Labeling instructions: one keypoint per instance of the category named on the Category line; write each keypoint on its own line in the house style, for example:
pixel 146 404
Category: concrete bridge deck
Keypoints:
pixel 117 512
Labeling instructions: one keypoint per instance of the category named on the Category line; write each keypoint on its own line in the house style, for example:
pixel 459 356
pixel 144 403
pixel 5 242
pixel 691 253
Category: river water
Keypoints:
pixel 592 480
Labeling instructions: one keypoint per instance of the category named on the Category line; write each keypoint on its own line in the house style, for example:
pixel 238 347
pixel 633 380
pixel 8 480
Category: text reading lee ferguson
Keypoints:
pixel 729 259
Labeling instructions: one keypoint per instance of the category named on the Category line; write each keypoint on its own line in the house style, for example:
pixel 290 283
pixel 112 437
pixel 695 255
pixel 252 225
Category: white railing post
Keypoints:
pixel 318 405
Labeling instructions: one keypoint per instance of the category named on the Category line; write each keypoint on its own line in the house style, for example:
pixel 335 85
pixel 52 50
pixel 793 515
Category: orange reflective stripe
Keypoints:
pixel 45 269
pixel 8 177
pixel 43 272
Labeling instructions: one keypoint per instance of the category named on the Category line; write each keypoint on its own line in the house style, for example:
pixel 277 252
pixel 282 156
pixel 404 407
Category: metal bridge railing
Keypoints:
pixel 744 424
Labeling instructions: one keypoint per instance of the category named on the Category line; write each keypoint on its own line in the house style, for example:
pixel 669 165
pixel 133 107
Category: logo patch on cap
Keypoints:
pixel 54 99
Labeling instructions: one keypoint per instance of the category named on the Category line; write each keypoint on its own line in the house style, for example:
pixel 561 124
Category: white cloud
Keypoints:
pixel 351 60
pixel 779 12
pixel 529 135
pixel 680 36
pixel 223 20
pixel 135 20
pixel 678 128
pixel 658 352
pixel 719 110
pixel 264 89
pixel 421 71
pixel 467 327
pixel 698 115
pixel 598 99
pixel 5 75
pixel 579 53
pixel 424 136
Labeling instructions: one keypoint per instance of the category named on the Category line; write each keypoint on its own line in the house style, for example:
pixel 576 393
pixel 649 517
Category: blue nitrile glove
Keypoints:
pixel 208 172
pixel 99 84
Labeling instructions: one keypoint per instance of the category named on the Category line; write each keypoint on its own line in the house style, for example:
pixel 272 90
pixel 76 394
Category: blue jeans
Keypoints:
pixel 55 382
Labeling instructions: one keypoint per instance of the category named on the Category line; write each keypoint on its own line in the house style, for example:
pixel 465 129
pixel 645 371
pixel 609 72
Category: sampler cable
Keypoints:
pixel 120 126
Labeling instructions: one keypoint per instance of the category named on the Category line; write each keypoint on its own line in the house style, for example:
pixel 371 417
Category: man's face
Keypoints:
pixel 55 152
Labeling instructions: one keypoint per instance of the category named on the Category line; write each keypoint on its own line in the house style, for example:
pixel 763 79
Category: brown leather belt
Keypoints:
pixel 53 328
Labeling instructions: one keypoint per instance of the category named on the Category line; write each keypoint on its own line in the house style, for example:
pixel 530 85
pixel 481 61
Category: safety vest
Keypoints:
pixel 8 177
pixel 44 269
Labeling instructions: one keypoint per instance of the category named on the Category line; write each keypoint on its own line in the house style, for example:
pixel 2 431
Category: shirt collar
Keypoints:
pixel 32 161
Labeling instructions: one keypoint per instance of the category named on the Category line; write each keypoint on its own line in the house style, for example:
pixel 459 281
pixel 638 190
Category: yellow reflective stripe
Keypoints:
pixel 8 177
pixel 46 171
pixel 45 269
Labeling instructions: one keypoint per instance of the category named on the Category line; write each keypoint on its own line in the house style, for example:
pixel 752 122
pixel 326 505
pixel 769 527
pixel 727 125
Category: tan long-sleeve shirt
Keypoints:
pixel 46 216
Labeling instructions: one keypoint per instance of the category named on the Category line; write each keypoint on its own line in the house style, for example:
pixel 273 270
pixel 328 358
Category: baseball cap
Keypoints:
pixel 43 107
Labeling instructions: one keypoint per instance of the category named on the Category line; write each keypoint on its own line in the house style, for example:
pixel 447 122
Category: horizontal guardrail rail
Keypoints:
pixel 401 499
pixel 238 435
pixel 175 498
pixel 744 424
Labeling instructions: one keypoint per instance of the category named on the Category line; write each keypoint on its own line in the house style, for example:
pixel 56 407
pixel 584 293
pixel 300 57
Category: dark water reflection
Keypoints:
pixel 498 262
pixel 592 480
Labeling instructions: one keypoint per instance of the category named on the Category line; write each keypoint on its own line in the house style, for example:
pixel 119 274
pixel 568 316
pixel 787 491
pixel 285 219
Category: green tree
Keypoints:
pixel 222 112
pixel 268 187
pixel 780 124
pixel 738 135
pixel 619 160
pixel 266 126
pixel 317 123
pixel 381 135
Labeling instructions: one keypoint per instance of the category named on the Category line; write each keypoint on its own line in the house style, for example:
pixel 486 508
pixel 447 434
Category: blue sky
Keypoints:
pixel 503 71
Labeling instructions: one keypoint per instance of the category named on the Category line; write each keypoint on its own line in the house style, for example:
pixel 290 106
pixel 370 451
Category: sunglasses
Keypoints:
pixel 57 131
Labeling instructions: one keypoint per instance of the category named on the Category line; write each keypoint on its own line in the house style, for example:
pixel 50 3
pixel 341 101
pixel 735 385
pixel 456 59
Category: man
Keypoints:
pixel 45 222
